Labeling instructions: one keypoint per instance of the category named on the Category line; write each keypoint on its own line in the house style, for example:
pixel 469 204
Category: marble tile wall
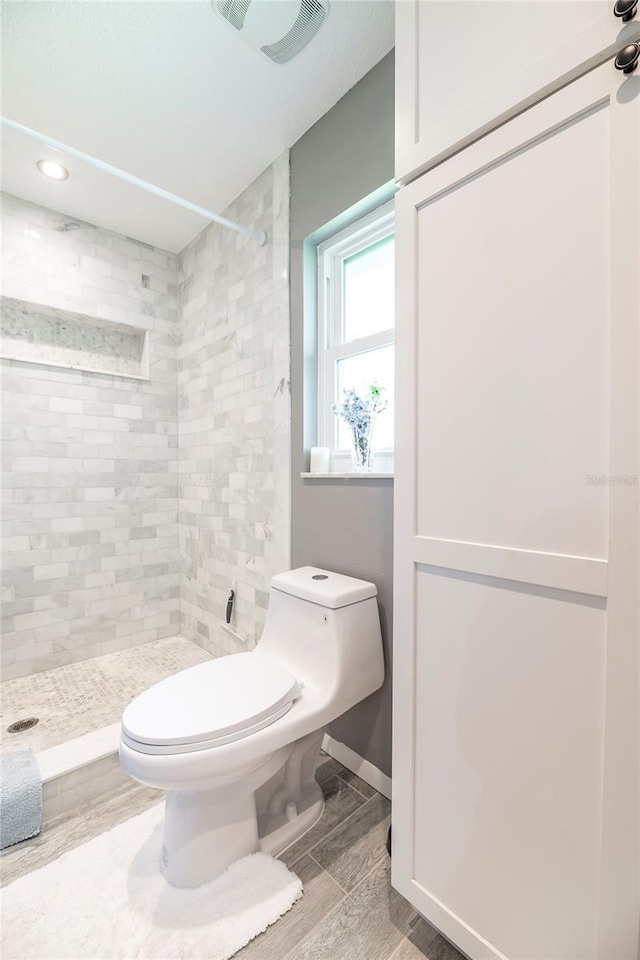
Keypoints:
pixel 234 415
pixel 90 534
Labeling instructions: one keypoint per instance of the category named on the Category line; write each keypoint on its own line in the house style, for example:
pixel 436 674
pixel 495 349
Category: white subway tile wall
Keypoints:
pixel 89 486
pixel 233 387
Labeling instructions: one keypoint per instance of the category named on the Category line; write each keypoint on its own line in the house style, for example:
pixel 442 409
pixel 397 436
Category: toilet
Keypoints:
pixel 235 741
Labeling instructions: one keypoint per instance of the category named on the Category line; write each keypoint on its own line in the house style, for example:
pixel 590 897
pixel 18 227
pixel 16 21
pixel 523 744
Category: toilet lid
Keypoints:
pixel 221 700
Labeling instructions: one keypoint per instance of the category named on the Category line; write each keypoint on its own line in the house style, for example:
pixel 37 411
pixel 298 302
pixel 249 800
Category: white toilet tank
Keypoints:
pixel 325 629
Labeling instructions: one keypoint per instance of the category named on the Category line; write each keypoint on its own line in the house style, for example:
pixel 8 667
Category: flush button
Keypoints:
pixel 319 576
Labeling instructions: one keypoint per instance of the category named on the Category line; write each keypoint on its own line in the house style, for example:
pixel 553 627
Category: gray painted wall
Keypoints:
pixel 343 525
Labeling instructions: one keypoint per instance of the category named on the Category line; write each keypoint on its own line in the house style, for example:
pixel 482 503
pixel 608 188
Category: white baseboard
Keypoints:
pixel 358 765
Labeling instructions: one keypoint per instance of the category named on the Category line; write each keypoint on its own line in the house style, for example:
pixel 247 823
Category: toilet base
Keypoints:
pixel 279 833
pixel 265 808
pixel 204 834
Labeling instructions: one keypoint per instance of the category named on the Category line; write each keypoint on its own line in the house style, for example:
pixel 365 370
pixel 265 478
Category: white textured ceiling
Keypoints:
pixel 166 91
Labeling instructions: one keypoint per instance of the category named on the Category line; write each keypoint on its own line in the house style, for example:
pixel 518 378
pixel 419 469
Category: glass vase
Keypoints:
pixel 362 448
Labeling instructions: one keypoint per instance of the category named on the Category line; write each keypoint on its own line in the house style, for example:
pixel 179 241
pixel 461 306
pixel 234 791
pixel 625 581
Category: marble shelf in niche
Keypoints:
pixel 37 333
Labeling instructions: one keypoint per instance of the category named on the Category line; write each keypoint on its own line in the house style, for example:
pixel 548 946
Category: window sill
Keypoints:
pixel 347 476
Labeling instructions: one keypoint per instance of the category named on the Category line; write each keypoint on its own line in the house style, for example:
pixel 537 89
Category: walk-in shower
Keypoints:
pixel 119 543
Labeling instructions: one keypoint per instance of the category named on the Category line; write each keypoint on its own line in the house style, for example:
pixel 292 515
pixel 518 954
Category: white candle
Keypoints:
pixel 319 460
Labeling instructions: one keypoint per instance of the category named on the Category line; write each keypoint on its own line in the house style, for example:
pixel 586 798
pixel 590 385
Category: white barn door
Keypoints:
pixel 517 533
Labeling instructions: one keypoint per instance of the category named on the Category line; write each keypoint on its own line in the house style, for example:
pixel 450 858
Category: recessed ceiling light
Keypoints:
pixel 52 170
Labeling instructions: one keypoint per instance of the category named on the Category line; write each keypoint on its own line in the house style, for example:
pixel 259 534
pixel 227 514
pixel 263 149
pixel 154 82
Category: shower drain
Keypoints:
pixel 20 725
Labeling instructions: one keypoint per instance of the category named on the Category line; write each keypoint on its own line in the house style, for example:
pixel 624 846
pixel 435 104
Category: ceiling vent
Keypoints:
pixel 280 29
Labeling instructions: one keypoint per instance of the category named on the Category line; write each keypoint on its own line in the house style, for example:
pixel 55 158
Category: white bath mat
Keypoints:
pixel 107 900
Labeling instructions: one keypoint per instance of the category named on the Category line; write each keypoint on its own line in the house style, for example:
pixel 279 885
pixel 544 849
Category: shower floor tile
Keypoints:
pixel 86 696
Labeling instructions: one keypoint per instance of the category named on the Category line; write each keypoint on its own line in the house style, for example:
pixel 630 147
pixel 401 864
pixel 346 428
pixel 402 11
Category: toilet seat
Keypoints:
pixel 209 705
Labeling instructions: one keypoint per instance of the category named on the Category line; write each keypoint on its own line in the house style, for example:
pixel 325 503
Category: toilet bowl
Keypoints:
pixel 235 741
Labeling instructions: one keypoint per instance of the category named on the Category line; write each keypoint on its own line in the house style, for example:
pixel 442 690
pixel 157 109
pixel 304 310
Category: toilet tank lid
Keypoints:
pixel 323 587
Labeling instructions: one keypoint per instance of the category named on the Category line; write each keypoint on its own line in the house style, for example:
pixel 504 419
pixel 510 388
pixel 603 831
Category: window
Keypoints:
pixel 356 328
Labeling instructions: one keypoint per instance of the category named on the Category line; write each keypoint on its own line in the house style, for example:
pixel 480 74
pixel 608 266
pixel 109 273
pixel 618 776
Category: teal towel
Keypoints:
pixel 20 798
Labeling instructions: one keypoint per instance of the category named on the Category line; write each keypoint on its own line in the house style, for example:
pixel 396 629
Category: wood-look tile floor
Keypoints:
pixel 349 910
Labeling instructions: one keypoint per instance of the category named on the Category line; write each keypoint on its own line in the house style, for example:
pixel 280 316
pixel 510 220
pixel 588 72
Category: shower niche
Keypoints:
pixel 36 333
